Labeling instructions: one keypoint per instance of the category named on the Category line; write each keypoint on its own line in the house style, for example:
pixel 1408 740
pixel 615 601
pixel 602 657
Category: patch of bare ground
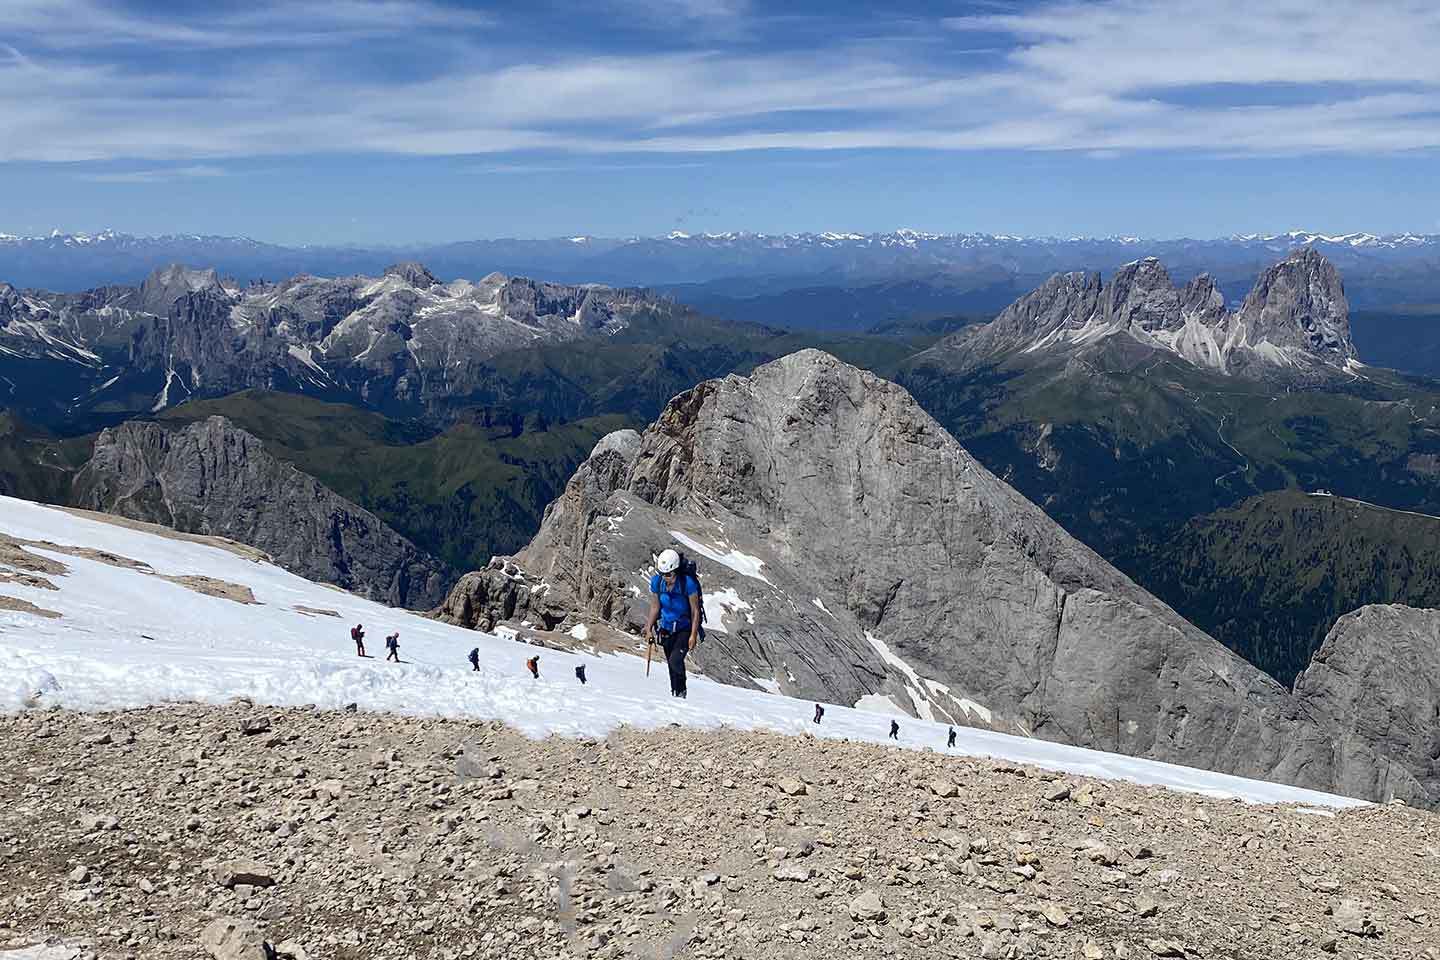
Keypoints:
pixel 342 835
pixel 596 638
pixel 25 606
pixel 224 543
pixel 20 554
pixel 26 580
pixel 13 554
pixel 315 611
pixel 212 587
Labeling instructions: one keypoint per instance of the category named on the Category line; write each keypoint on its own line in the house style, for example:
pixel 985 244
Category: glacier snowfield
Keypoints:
pixel 127 638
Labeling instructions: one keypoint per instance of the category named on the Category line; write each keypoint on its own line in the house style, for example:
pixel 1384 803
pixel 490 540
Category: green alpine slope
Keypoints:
pixel 1270 576
pixel 464 494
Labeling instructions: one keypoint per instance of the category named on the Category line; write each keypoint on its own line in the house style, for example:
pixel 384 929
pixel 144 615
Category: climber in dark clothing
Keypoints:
pixel 357 633
pixel 580 674
pixel 475 659
pixel 951 742
pixel 674 616
pixel 392 643
pixel 819 712
pixel 894 730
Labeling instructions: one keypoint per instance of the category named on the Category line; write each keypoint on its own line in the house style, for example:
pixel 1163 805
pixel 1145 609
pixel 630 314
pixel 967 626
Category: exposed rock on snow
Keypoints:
pixel 211 477
pixel 849 493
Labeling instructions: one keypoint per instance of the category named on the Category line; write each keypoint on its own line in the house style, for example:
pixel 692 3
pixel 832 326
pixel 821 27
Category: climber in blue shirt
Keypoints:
pixel 674 616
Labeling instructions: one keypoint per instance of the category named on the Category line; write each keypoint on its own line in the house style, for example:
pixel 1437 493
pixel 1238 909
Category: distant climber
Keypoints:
pixel 951 742
pixel 580 674
pixel 894 730
pixel 674 616
pixel 475 659
pixel 819 712
pixel 533 665
pixel 357 633
pixel 392 643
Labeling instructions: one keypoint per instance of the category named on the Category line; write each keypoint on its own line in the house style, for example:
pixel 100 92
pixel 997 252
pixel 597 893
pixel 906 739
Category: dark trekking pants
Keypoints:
pixel 676 645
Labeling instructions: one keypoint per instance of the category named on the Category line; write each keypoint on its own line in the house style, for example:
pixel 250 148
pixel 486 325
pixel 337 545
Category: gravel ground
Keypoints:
pixel 245 833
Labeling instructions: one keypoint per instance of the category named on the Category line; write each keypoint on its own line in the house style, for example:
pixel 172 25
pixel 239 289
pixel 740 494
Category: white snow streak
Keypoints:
pixel 742 563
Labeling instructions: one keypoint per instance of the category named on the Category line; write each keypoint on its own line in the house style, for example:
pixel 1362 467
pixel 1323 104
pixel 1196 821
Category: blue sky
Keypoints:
pixel 380 121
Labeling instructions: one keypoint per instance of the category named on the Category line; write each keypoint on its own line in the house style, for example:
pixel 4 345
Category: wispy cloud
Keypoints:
pixel 157 175
pixel 96 24
pixel 1104 78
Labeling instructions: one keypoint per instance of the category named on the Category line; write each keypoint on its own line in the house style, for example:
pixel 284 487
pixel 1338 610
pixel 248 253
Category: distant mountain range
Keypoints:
pixel 1133 406
pixel 1379 270
pixel 400 341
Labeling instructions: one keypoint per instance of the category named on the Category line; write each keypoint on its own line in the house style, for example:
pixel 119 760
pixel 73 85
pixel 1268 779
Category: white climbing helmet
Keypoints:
pixel 668 561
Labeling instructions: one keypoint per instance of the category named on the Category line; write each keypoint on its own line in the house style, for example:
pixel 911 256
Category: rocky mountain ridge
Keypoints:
pixel 1296 318
pixel 211 477
pixel 400 340
pixel 854 552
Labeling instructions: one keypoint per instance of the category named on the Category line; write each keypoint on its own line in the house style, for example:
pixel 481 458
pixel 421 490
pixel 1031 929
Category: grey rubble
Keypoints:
pixel 211 477
pixel 873 522
pixel 390 838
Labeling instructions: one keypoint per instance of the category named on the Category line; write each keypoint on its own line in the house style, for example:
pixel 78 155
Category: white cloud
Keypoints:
pixel 92 24
pixel 1220 76
pixel 157 175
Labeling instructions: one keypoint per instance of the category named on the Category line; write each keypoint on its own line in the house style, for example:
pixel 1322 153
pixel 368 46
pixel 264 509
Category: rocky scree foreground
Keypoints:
pixel 211 477
pixel 243 833
pixel 851 550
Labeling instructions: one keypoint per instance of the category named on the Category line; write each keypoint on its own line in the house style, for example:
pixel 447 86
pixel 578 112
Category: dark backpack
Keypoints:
pixel 475 655
pixel 687 569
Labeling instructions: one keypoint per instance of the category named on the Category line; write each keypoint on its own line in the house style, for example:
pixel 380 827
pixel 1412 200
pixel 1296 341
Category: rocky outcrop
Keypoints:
pixel 214 478
pixel 1376 680
pixel 853 551
pixel 1299 306
pixel 1295 319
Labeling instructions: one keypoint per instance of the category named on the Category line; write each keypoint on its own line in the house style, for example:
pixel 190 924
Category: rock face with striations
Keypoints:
pixel 852 551
pixel 1296 319
pixel 1376 679
pixel 211 477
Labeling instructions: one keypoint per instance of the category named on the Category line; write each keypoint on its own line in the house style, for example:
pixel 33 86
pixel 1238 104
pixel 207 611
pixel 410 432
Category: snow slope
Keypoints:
pixel 128 638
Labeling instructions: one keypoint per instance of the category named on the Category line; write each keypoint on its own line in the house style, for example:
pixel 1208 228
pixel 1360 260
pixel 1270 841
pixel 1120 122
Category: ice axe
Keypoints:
pixel 649 652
